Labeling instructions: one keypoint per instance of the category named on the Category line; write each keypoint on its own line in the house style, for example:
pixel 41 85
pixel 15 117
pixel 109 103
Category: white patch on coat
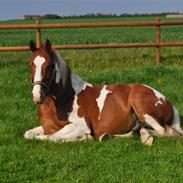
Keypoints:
pixel 101 99
pixel 158 95
pixel 70 132
pixel 154 124
pixel 87 84
pixel 158 102
pixel 38 62
pixel 30 134
pixel 67 134
pixel 78 121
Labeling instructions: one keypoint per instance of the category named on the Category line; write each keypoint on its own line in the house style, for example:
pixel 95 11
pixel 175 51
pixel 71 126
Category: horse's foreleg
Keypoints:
pixel 30 134
pixel 69 132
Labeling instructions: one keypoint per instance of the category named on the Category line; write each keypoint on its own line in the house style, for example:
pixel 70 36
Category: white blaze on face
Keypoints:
pixel 38 62
pixel 101 99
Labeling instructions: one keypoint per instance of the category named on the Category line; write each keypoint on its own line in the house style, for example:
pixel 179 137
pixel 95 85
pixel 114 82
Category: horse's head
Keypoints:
pixel 43 70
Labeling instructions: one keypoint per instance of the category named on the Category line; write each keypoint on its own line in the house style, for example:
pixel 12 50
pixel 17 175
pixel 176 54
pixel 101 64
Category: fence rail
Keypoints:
pixel 38 26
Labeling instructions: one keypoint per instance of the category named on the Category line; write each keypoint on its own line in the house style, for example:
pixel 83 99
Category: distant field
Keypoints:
pixel 91 35
pixel 122 160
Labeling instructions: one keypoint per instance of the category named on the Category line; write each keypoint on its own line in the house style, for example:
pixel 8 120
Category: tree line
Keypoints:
pixel 100 15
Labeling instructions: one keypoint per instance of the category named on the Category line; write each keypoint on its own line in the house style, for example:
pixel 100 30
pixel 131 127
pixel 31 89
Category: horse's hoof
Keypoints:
pixel 149 141
pixel 28 135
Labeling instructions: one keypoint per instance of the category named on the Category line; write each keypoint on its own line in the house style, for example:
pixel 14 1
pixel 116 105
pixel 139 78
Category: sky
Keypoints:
pixel 14 9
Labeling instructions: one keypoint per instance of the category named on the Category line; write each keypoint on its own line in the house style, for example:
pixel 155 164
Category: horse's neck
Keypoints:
pixel 62 92
pixel 65 87
pixel 65 78
pixel 63 97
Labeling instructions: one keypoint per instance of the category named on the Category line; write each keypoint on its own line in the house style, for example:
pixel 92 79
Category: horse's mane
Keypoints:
pixel 62 71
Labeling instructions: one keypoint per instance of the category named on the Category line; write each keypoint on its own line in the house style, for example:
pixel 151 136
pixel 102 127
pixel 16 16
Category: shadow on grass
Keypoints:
pixel 172 57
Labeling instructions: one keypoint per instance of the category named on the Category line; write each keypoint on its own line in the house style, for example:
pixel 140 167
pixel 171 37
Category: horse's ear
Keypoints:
pixel 32 46
pixel 47 45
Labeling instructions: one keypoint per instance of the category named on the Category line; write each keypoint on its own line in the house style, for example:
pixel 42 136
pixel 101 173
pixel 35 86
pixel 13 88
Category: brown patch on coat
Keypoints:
pixel 116 115
pixel 47 113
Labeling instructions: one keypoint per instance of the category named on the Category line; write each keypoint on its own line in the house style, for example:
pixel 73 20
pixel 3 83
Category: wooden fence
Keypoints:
pixel 38 26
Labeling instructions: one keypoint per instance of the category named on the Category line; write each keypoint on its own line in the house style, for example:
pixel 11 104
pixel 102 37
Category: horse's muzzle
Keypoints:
pixel 39 92
pixel 39 99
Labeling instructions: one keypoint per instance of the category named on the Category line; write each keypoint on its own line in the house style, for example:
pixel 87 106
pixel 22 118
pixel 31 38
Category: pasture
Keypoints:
pixel 118 160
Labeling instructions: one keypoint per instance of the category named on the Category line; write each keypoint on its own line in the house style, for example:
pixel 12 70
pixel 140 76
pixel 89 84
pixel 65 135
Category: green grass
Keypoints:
pixel 120 160
pixel 92 35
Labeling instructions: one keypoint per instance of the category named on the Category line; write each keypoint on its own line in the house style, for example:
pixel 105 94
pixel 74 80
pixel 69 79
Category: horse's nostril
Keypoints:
pixel 42 95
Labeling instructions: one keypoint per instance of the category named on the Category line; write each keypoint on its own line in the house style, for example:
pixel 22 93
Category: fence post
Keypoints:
pixel 158 39
pixel 38 34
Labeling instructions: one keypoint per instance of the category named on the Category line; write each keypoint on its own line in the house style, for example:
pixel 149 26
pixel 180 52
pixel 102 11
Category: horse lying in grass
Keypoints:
pixel 72 109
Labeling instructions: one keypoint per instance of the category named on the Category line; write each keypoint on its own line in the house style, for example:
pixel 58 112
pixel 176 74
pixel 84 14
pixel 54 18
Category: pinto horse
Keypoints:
pixel 71 109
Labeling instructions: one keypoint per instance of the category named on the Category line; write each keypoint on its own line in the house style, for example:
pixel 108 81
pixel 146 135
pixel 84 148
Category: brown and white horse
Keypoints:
pixel 71 109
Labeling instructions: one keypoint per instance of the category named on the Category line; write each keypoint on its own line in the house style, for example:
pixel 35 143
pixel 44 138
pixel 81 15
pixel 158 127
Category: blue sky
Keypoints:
pixel 13 9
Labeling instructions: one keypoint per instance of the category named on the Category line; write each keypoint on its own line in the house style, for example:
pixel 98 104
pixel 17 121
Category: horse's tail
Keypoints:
pixel 176 122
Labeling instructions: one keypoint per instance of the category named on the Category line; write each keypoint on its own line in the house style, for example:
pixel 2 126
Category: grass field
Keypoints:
pixel 120 160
